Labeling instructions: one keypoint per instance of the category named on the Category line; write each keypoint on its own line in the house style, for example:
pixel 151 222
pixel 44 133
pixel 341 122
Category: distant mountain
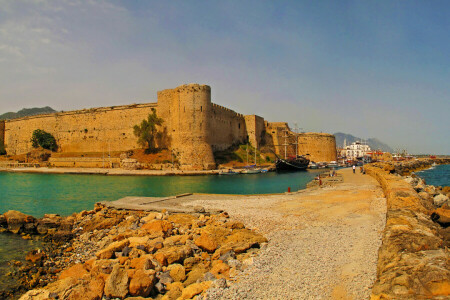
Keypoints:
pixel 372 142
pixel 27 112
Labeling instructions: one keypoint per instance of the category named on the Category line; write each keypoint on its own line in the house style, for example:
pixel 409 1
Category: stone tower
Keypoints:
pixel 187 114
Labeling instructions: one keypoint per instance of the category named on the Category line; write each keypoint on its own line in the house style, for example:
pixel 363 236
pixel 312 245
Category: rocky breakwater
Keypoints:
pixel 405 168
pixel 414 259
pixel 120 254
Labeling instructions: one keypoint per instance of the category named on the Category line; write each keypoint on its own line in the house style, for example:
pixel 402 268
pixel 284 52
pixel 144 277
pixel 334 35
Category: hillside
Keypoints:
pixel 372 142
pixel 27 112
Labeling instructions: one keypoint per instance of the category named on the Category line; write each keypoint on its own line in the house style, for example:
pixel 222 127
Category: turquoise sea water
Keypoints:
pixel 37 194
pixel 438 175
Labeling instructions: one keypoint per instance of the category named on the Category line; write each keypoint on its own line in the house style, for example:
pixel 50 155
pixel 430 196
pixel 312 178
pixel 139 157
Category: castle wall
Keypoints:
pixel 2 132
pixel 93 130
pixel 321 147
pixel 228 127
pixel 255 126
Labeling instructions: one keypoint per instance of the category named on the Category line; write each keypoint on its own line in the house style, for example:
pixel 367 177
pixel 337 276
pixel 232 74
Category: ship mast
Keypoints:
pixel 285 143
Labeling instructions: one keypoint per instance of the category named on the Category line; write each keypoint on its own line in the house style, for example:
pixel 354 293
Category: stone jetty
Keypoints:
pixel 414 260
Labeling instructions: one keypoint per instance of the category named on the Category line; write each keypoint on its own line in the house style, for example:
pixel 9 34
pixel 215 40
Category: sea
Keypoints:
pixel 437 175
pixel 64 194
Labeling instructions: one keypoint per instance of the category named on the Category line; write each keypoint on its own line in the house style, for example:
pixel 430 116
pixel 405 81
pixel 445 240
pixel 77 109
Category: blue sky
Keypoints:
pixel 368 68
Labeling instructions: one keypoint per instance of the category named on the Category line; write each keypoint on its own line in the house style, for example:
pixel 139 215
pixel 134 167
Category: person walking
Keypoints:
pixel 354 169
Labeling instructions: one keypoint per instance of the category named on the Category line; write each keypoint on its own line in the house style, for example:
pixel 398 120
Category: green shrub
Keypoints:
pixel 43 139
pixel 146 132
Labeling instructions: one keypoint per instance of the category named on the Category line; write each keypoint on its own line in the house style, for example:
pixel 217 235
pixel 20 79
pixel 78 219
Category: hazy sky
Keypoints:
pixel 368 68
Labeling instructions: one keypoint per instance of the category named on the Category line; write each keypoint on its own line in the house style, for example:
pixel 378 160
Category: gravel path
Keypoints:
pixel 323 243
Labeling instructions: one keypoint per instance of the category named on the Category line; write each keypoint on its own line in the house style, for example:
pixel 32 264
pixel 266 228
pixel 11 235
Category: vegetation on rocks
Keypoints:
pixel 118 253
pixel 41 138
pixel 147 131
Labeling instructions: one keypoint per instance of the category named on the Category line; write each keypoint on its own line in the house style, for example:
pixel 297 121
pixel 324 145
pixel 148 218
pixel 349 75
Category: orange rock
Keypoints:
pixel 142 263
pixel 142 283
pixel 108 252
pixel 170 255
pixel 75 271
pixel 157 226
pixel 177 272
pixel 161 258
pixel 174 291
pixel 206 242
pixel 195 289
pixel 182 219
pixel 220 269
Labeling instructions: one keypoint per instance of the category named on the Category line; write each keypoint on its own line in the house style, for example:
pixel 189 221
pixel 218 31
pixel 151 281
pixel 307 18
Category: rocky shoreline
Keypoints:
pixel 108 254
pixel 414 259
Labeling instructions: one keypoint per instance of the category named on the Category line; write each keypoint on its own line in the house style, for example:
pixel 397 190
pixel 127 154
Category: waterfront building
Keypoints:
pixel 356 149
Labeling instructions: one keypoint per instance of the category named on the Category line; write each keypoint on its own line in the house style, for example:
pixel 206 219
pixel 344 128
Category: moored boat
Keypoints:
pixel 228 172
pixel 298 163
pixel 333 164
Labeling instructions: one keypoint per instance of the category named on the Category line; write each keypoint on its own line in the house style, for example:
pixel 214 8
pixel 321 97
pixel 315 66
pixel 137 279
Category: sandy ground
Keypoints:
pixel 323 243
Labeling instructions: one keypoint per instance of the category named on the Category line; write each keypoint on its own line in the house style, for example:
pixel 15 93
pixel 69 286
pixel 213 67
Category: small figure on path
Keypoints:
pixel 354 169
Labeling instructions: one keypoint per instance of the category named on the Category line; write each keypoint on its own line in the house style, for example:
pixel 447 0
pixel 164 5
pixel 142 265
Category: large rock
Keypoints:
pixel 177 272
pixel 243 239
pixel 89 288
pixel 207 242
pixel 75 271
pixel 16 220
pixel 142 283
pixel 195 289
pixel 195 274
pixel 157 227
pixel 440 200
pixel 174 291
pixel 170 255
pixel 116 285
pixel 109 251
pixel 181 219
pixel 142 263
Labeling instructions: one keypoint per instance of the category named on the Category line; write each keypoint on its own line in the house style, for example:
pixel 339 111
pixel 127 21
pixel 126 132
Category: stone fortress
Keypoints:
pixel 193 128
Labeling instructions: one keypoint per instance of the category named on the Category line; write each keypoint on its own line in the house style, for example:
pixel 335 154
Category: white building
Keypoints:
pixel 355 150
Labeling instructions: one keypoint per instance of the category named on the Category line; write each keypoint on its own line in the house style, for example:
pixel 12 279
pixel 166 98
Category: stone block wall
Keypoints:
pixel 91 130
pixel 84 162
pixel 228 127
pixel 255 129
pixel 321 147
pixel 2 132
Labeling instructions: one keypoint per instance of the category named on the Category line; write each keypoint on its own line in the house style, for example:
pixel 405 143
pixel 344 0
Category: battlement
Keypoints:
pixel 223 108
pixel 86 111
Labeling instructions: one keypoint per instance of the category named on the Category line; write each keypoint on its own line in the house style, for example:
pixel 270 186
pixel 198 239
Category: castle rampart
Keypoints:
pixel 320 147
pixel 193 128
pixel 89 130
